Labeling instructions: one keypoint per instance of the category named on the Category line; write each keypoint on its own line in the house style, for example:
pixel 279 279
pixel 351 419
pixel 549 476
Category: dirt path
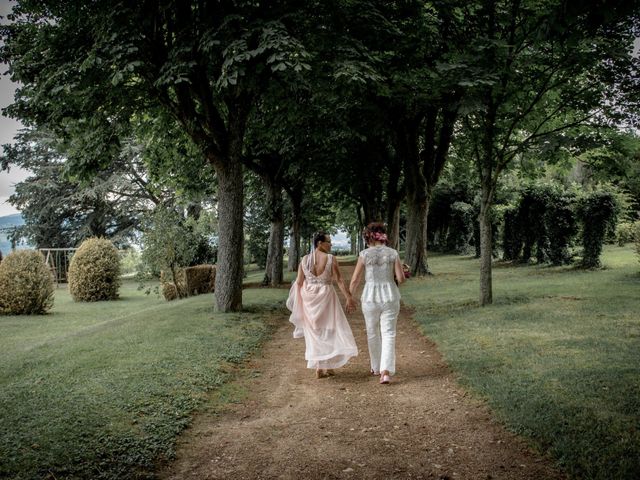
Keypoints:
pixel 294 426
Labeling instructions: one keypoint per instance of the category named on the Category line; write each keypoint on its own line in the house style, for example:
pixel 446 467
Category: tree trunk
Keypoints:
pixel 273 274
pixel 486 251
pixel 370 210
pixel 353 237
pixel 416 242
pixel 393 225
pixel 417 200
pixel 273 268
pixel 229 270
pixel 294 247
pixel 487 170
pixel 294 237
pixel 394 199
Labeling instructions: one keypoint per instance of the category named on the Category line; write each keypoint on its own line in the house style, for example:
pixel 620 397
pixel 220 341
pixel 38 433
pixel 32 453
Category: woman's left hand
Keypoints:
pixel 351 305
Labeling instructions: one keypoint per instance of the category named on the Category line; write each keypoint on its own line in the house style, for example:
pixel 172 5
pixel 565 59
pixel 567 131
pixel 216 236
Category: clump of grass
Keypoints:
pixel 557 356
pixel 101 390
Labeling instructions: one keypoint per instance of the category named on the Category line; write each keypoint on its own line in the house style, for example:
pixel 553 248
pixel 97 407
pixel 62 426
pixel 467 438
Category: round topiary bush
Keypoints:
pixel 26 284
pixel 94 272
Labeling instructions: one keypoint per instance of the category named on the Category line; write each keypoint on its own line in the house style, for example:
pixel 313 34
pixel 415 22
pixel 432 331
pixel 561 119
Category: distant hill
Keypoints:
pixel 11 220
pixel 8 221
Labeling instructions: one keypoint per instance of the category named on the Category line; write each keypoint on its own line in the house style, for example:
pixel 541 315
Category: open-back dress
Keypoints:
pixel 317 316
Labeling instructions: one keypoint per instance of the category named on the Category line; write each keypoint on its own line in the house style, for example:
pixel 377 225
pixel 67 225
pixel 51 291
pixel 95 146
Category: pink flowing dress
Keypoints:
pixel 317 316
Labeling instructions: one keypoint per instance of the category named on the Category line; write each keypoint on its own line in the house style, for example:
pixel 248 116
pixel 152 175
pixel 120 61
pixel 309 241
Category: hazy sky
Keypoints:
pixel 9 127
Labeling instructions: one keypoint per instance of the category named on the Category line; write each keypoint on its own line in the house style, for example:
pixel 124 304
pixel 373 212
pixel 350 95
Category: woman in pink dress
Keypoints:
pixel 316 312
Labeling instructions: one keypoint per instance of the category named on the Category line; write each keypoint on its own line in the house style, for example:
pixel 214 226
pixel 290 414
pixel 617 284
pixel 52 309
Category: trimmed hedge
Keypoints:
pixel 94 272
pixel 200 279
pixel 188 281
pixel 26 284
pixel 561 225
pixel 460 234
pixel 542 224
pixel 597 212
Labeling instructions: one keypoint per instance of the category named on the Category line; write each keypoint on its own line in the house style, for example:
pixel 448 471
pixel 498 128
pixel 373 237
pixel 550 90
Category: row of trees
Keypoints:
pixel 363 103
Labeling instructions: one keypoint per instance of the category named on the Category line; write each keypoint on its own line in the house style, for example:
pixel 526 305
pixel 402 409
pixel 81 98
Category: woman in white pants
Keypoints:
pixel 380 298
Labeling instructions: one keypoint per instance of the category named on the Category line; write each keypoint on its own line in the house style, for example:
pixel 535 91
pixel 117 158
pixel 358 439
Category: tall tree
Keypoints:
pixel 275 145
pixel 61 211
pixel 415 52
pixel 542 67
pixel 87 68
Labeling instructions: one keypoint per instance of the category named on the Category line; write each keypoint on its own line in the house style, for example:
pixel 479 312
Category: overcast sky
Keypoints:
pixel 9 127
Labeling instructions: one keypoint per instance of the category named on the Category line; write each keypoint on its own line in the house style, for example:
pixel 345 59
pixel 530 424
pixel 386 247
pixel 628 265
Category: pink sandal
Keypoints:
pixel 385 379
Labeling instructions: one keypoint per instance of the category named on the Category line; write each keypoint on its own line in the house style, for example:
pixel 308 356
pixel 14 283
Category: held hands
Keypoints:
pixel 351 305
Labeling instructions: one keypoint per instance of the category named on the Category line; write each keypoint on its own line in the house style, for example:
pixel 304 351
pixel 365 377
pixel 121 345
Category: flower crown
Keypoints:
pixel 379 236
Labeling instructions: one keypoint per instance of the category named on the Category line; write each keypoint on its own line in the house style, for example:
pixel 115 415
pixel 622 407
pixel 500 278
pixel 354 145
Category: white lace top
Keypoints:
pixel 379 286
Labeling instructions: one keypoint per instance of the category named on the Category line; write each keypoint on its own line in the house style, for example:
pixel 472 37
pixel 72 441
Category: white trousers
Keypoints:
pixel 381 320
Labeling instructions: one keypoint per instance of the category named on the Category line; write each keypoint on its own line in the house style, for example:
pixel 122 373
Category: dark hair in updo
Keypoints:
pixel 319 237
pixel 375 232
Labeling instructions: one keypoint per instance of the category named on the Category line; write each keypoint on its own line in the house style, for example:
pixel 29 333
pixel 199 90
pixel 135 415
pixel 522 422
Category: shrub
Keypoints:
pixel 626 232
pixel 460 227
pixel 636 239
pixel 171 242
pixel 531 212
pixel 169 291
pixel 174 283
pixel 258 248
pixel 597 212
pixel 94 273
pixel 130 260
pixel 188 281
pixel 511 236
pixel 200 279
pixel 561 225
pixel 543 222
pixel 26 284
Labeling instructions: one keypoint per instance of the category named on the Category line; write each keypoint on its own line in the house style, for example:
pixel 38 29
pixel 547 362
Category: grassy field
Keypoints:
pixel 101 390
pixel 557 356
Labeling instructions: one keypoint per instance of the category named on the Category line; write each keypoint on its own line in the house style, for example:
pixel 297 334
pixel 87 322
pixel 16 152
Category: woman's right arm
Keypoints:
pixel 399 273
pixel 300 277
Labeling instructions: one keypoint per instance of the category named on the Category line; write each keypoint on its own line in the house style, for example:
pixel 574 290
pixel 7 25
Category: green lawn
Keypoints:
pixel 101 390
pixel 557 356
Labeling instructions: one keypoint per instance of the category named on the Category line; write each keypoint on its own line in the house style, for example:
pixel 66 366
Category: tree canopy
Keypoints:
pixel 361 103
